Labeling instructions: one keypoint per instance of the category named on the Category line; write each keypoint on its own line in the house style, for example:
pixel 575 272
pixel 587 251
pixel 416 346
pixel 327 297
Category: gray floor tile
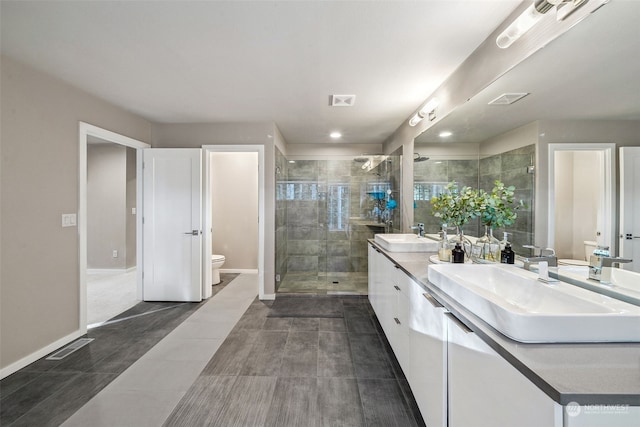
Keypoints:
pixel 232 354
pixel 334 355
pixel 16 381
pixel 329 324
pixel 305 324
pixel 300 357
pixel 384 403
pixel 266 355
pixel 360 323
pixel 25 399
pixel 369 357
pixel 277 324
pixel 307 307
pixel 339 403
pixel 294 403
pixel 250 402
pixel 60 406
pixel 203 402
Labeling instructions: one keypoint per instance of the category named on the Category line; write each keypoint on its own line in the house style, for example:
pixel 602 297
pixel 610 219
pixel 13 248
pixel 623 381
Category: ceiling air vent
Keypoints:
pixel 342 100
pixel 508 98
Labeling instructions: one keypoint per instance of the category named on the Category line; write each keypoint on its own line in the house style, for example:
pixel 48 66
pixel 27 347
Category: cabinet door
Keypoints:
pixel 427 374
pixel 401 318
pixel 486 391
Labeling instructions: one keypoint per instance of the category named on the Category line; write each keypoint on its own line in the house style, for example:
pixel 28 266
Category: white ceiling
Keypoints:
pixel 590 73
pixel 239 61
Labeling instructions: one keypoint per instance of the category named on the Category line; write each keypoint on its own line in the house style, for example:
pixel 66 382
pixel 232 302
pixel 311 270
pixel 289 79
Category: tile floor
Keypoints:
pixel 231 360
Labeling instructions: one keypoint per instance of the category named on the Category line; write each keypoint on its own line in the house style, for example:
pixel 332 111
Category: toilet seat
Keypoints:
pixel 217 258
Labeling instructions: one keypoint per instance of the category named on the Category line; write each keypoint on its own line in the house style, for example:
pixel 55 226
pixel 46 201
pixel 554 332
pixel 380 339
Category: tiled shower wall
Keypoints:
pixel 323 216
pixel 509 167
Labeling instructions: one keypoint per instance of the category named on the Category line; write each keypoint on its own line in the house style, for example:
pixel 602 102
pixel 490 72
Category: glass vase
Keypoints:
pixel 444 246
pixel 486 248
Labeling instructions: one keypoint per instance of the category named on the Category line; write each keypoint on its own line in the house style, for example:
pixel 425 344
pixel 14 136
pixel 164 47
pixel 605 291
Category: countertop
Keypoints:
pixel 587 373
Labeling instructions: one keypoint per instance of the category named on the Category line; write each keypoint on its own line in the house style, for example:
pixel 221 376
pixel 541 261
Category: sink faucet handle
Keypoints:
pixel 547 252
pixel 609 261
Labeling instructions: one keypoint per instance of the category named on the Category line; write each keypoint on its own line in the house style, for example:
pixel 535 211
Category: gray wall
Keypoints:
pixel 234 209
pixel 106 206
pixel 39 290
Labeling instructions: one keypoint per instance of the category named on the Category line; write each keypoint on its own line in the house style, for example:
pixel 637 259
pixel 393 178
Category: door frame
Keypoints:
pixel 608 151
pixel 207 225
pixel 85 130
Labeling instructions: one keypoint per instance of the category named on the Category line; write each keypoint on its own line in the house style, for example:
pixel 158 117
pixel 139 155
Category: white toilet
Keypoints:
pixel 216 263
pixel 589 247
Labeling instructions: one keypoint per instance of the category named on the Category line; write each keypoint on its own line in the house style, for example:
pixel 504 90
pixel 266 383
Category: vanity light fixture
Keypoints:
pixel 427 111
pixel 292 161
pixel 525 22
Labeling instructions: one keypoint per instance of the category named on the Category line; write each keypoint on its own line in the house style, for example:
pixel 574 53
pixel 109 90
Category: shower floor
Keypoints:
pixel 325 284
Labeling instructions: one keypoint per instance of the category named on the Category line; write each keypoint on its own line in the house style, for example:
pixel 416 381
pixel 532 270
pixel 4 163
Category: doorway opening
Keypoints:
pixel 109 229
pixel 234 212
pixel 581 198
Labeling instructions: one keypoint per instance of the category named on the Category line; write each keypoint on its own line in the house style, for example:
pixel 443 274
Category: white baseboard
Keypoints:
pixel 267 297
pixel 110 270
pixel 25 361
pixel 239 270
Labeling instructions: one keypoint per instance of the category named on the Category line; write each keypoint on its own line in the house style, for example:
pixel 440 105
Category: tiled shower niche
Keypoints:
pixel 325 212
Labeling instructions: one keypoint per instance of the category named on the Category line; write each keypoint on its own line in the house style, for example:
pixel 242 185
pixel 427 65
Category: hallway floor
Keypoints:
pixel 109 294
pixel 232 360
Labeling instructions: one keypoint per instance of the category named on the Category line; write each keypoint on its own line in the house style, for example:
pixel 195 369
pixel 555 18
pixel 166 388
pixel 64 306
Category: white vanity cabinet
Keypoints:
pixel 486 391
pixel 427 373
pixel 388 296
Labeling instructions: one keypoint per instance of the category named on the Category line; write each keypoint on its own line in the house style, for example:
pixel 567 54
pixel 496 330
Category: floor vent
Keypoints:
pixel 64 352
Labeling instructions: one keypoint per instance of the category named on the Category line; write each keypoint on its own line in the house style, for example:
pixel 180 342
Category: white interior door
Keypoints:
pixel 630 206
pixel 172 225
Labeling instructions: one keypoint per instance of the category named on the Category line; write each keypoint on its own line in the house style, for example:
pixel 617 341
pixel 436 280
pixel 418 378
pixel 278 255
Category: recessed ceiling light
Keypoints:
pixel 292 161
pixel 445 134
pixel 335 135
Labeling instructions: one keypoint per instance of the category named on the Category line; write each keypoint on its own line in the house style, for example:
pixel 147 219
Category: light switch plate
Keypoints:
pixel 69 220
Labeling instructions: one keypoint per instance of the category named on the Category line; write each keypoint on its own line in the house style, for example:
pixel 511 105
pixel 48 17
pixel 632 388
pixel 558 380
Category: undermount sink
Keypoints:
pixel 405 243
pixel 521 307
pixel 625 285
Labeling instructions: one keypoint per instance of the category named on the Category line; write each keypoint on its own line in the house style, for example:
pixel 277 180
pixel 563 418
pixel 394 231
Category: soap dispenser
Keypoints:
pixel 504 242
pixel 507 255
pixel 457 254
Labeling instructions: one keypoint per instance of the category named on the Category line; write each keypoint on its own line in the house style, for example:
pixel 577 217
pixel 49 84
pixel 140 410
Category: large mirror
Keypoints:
pixel 582 88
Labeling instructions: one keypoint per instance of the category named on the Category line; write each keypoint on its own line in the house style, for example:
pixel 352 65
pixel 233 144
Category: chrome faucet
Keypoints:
pixel 603 274
pixel 420 228
pixel 547 255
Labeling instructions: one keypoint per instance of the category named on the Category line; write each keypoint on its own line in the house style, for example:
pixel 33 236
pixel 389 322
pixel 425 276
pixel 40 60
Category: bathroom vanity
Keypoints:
pixel 464 372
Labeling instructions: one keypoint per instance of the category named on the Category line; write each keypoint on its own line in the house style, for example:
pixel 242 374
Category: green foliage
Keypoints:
pixel 499 208
pixel 454 206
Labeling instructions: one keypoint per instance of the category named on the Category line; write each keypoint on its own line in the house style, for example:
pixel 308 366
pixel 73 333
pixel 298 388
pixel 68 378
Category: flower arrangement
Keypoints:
pixel 456 206
pixel 499 207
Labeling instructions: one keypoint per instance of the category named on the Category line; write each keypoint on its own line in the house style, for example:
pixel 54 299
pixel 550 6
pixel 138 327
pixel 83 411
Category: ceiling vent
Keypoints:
pixel 342 100
pixel 508 98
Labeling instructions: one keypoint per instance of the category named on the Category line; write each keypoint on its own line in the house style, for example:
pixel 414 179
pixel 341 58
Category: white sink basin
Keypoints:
pixel 405 243
pixel 625 285
pixel 515 303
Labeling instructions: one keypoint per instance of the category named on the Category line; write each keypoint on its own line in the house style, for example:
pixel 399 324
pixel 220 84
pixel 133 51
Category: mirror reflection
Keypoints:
pixel 572 98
